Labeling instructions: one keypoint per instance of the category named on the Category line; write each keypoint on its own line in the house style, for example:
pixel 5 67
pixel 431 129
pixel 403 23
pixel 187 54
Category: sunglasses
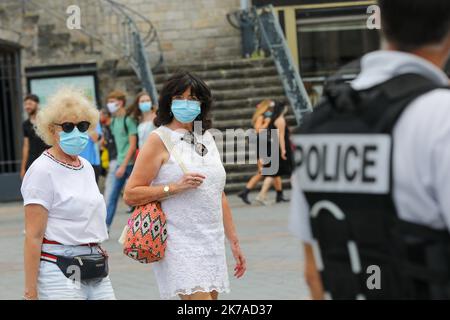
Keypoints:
pixel 68 127
pixel 199 147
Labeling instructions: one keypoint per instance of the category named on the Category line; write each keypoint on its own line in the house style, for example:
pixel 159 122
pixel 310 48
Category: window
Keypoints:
pixel 327 44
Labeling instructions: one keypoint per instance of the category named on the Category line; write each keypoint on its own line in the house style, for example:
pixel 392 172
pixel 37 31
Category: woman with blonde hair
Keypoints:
pixel 64 210
pixel 260 120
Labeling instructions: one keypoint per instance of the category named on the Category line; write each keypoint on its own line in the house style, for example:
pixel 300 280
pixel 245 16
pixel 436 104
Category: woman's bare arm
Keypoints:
pixel 35 224
pixel 151 157
pixel 153 154
pixel 230 232
pixel 312 276
pixel 280 123
pixel 261 123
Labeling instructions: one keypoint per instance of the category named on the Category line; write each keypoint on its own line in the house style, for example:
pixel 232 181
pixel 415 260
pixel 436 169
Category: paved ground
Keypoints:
pixel 274 256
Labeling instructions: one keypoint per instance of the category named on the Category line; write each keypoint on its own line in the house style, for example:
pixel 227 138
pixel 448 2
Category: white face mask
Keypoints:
pixel 112 107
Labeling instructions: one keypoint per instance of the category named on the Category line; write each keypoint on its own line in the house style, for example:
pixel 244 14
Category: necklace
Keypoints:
pixel 64 164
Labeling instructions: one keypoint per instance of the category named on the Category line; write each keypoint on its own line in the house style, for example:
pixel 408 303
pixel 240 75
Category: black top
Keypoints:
pixel 109 142
pixel 37 146
pixel 285 167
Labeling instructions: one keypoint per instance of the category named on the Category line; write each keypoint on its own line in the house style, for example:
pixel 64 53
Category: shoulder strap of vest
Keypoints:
pixel 382 105
pixel 399 93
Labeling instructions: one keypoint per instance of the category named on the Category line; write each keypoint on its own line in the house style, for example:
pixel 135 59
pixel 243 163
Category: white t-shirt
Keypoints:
pixel 76 208
pixel 144 130
pixel 421 158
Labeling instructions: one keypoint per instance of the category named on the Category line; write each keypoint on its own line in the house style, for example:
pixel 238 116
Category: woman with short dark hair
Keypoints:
pixel 196 208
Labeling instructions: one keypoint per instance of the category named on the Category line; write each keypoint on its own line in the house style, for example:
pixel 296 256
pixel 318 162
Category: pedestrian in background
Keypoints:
pixel 64 210
pixel 278 132
pixel 196 207
pixel 33 146
pixel 124 131
pixel 144 112
pixel 108 154
pixel 260 120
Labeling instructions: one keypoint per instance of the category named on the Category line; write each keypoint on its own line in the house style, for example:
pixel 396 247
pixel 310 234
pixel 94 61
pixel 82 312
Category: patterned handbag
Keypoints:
pixel 144 237
pixel 146 233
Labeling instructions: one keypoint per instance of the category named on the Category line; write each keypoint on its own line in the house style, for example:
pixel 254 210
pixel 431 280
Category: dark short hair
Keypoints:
pixel 31 97
pixel 411 24
pixel 177 85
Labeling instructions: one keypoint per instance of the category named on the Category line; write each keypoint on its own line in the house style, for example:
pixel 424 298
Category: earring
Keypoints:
pixel 171 114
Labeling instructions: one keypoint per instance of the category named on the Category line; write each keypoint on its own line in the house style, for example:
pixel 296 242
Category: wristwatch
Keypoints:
pixel 166 190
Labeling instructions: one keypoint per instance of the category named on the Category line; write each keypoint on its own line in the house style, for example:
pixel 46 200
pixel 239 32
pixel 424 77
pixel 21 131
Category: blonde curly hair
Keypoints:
pixel 67 104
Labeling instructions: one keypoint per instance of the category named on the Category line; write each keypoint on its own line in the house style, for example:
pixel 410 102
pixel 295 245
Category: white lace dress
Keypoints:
pixel 195 256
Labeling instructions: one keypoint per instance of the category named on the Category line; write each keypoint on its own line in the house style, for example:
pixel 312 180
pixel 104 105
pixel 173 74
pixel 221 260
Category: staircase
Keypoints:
pixel 237 87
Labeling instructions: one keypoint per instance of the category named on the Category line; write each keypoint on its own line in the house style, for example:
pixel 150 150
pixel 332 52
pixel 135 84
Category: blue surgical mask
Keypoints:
pixel 268 114
pixel 185 111
pixel 73 143
pixel 145 106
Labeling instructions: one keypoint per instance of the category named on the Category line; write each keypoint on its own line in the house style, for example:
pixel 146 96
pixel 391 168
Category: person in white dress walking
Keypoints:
pixel 196 207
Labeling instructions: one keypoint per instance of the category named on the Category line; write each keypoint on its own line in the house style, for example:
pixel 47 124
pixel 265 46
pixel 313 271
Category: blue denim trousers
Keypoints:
pixel 110 178
pixel 115 194
pixel 53 284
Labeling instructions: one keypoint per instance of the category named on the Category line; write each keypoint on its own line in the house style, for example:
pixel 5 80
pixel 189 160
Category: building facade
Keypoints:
pixel 42 47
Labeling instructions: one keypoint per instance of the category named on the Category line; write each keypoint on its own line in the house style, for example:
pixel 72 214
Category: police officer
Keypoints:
pixel 371 193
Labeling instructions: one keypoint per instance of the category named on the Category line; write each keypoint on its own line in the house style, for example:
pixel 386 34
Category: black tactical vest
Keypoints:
pixel 361 248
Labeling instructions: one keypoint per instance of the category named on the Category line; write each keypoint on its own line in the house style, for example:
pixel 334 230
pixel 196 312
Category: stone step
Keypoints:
pixel 243 113
pixel 222 65
pixel 231 74
pixel 238 84
pixel 235 187
pixel 242 176
pixel 229 168
pixel 232 104
pixel 248 82
pixel 221 95
pixel 246 123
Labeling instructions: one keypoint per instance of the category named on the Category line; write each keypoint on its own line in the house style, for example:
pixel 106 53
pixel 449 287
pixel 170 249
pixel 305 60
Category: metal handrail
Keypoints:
pixel 273 36
pixel 267 35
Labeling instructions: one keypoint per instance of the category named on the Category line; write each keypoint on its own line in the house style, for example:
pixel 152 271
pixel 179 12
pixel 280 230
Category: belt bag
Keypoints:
pixel 91 266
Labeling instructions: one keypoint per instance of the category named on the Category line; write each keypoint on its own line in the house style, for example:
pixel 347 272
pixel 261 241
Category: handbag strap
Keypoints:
pixel 166 139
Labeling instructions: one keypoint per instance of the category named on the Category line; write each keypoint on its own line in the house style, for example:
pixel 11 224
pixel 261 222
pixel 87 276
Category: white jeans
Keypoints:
pixel 53 284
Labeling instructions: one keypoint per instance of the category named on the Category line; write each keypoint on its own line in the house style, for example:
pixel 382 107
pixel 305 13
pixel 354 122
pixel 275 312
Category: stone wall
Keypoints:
pixel 191 30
